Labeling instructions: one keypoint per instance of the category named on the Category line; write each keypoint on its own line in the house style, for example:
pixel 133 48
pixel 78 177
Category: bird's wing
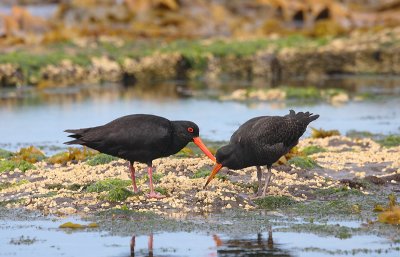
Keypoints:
pixel 129 133
pixel 269 130
pixel 241 132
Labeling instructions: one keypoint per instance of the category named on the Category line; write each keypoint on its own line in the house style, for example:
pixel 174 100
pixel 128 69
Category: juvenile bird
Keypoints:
pixel 262 141
pixel 141 138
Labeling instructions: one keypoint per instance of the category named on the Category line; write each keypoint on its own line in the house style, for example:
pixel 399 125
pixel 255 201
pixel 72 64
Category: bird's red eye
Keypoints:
pixel 190 129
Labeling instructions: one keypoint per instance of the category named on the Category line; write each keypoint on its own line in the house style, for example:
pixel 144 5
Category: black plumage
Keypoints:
pixel 141 138
pixel 262 141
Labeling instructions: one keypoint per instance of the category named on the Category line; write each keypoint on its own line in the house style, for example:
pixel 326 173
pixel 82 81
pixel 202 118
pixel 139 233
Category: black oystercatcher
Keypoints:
pixel 262 141
pixel 141 138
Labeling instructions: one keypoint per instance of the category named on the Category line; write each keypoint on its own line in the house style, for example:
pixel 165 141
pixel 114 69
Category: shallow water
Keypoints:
pixel 40 117
pixel 43 238
pixel 44 10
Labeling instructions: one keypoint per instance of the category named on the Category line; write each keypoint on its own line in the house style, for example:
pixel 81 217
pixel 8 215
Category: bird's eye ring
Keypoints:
pixel 190 129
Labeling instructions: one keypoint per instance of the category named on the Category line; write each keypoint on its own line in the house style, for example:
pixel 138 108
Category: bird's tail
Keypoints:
pixel 305 117
pixel 74 142
pixel 77 134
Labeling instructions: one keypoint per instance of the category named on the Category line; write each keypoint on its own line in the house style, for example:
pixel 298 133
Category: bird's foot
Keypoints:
pixel 137 191
pixel 260 194
pixel 155 195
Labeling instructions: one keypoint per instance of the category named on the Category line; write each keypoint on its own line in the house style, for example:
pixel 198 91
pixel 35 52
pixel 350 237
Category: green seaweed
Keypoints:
pixel 107 185
pixel 115 189
pixel 100 159
pixel 10 165
pixel 118 194
pixel 303 162
pixel 6 185
pixel 390 141
pixel 161 190
pixel 156 177
pixel 204 173
pixel 359 134
pixel 306 93
pixel 185 152
pixel 338 231
pixel 274 202
pixel 312 150
pixel 338 191
pixel 323 208
pixel 4 154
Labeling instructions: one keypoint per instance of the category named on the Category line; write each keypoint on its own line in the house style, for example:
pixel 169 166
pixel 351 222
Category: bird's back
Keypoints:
pixel 265 139
pixel 137 137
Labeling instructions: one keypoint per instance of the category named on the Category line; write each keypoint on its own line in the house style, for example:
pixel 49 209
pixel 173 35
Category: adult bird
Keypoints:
pixel 262 141
pixel 141 138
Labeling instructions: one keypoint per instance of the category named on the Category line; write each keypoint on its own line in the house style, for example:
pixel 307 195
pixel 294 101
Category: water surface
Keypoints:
pixel 40 117
pixel 42 237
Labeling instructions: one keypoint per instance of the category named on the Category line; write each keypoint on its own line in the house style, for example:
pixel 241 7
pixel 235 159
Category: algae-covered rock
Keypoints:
pixel 10 75
pixel 30 154
pixel 78 226
pixel 73 154
pixel 321 133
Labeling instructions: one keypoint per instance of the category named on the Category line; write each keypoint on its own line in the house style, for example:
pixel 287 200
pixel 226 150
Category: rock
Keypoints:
pixel 10 75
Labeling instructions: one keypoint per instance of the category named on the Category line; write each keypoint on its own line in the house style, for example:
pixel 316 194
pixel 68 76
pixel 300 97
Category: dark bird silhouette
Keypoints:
pixel 141 138
pixel 262 141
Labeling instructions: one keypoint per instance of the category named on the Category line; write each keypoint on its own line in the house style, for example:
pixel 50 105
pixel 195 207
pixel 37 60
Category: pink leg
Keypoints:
pixel 150 245
pixel 152 194
pixel 132 170
pixel 133 239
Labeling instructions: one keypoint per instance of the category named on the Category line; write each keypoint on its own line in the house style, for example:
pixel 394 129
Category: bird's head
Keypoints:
pixel 226 156
pixel 189 131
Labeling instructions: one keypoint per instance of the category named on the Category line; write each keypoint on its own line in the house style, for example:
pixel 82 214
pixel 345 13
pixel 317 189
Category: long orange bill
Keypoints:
pixel 202 147
pixel 213 173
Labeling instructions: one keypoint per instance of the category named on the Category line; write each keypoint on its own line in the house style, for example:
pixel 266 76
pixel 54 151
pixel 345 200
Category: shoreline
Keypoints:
pixel 322 169
pixel 269 61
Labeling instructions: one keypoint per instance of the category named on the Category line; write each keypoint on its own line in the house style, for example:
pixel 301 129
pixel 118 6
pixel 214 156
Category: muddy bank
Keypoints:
pixel 265 61
pixel 322 171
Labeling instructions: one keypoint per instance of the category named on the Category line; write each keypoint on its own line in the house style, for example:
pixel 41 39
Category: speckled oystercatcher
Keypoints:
pixel 262 141
pixel 141 138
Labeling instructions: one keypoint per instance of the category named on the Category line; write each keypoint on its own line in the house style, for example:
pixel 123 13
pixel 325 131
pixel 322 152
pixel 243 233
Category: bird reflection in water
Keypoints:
pixel 249 247
pixel 149 246
pixel 256 247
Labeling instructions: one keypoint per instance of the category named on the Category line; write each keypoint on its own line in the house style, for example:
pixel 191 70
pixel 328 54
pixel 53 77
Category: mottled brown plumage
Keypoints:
pixel 262 141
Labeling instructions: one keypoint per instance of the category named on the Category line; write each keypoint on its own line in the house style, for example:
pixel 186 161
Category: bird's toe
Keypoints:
pixel 155 195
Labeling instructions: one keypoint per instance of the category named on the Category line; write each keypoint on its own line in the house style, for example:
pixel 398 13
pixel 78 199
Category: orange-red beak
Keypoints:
pixel 202 147
pixel 213 173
